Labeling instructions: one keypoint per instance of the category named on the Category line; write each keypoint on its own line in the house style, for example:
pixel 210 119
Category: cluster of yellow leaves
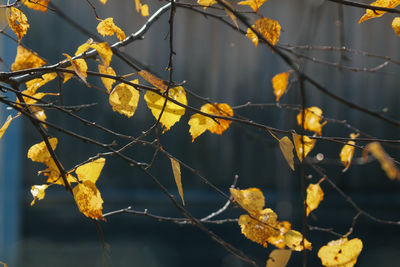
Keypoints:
pixel 314 196
pixel 341 252
pixel 312 119
pixel 262 225
pixel 268 28
pixel 279 84
pixel 347 152
pixel 40 5
pixel 200 123
pixel 386 162
pixel 143 9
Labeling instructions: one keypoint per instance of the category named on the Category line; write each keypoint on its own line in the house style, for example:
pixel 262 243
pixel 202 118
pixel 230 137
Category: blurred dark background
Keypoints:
pixel 221 64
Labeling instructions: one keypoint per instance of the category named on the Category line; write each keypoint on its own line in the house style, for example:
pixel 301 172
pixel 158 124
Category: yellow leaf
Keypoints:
pixel 104 51
pixel 107 27
pixel 176 169
pixel 172 113
pixel 79 66
pixel 206 3
pixel 54 175
pixel 39 114
pixel 40 5
pixel 108 83
pixel 38 192
pixel 39 152
pixel 199 123
pixel 298 144
pixel 294 241
pixel 90 171
pixel 18 22
pixel 279 258
pixel 254 4
pixel 269 28
pixel 5 126
pixel 143 9
pixel 279 240
pixel 386 162
pixel 347 152
pixel 342 252
pixel 124 99
pixel 88 199
pixel 251 199
pixel 396 25
pixel 103 2
pixel 280 83
pixel 154 80
pixel 369 14
pixel 26 59
pixel 34 84
pixel 83 47
pixel 314 196
pixel 312 121
pixel 286 146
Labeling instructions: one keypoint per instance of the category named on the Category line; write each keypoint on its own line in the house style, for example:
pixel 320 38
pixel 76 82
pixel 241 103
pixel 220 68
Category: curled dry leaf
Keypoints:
pixel 124 99
pixel 286 146
pixel 38 192
pixel 254 4
pixel 18 22
pixel 268 28
pixel 314 196
pixel 298 144
pixel 340 252
pixel 107 27
pixel 176 169
pixel 5 125
pixel 79 66
pixel 88 199
pixel 386 162
pixel 294 240
pixel 312 119
pixel 26 59
pixel 279 83
pixel 369 14
pixel 347 152
pixel 40 5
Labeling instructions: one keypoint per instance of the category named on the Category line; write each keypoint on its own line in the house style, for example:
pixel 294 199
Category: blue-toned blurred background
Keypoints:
pixel 221 64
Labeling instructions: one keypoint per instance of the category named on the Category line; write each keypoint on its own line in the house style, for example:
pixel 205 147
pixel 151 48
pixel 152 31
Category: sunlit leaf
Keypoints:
pixel 107 27
pixel 280 83
pixel 279 240
pixel 38 192
pixel 124 99
pixel 340 252
pixel 206 3
pixel 396 25
pixel 34 84
pixel 298 144
pixel 386 162
pixel 294 240
pixel 88 199
pixel 254 4
pixel 176 169
pixel 40 5
pixel 18 22
pixel 312 119
pixel 143 9
pixel 369 14
pixel 104 51
pixel 79 66
pixel 108 83
pixel 251 199
pixel 5 126
pixel 279 258
pixel 26 59
pixel 103 1
pixel 268 28
pixel 90 171
pixel 286 146
pixel 314 196
pixel 347 152
pixel 39 152
pixel 84 47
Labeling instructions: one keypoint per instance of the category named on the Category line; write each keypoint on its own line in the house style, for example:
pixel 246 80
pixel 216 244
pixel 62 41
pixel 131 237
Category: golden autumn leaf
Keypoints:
pixel 103 1
pixel 39 152
pixel 279 240
pixel 108 83
pixel 279 258
pixel 340 252
pixel 254 4
pixel 298 144
pixel 294 241
pixel 200 123
pixel 38 192
pixel 347 152
pixel 251 199
pixel 369 14
pixel 286 147
pixel 314 196
pixel 384 159
pixel 143 9
pixel 279 83
pixel 5 125
pixel 104 51
pixel 206 3
pixel 40 5
pixel 79 66
pixel 176 169
pixel 312 119
pixel 107 27
pixel 154 80
pixel 396 25
pixel 26 59
pixel 54 176
pixel 172 113
pixel 124 99
pixel 268 28
pixel 18 22
pixel 90 171
pixel 34 84
pixel 83 47
pixel 88 199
